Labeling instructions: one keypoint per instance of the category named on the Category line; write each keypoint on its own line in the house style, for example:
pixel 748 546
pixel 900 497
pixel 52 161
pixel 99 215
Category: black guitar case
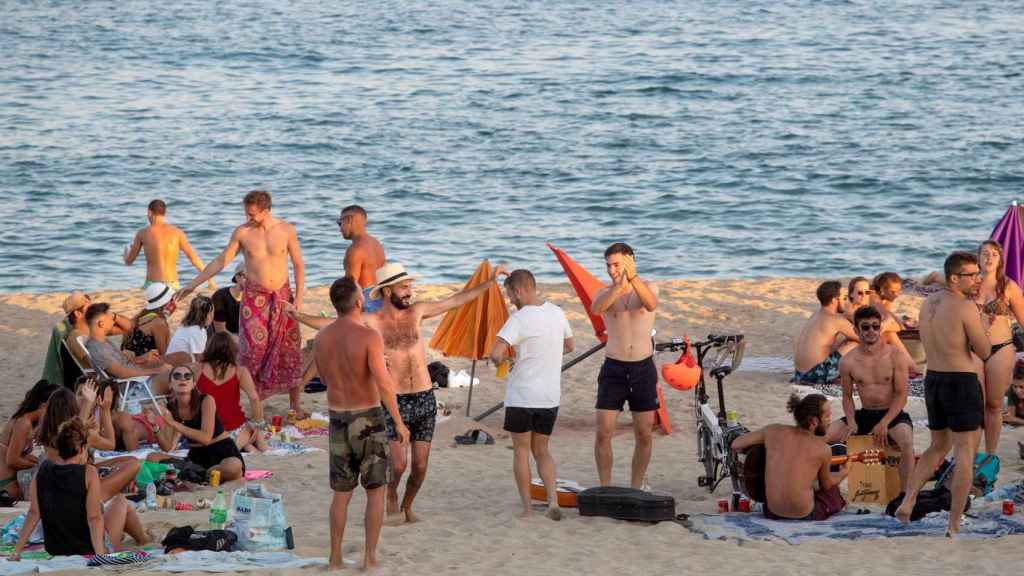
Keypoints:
pixel 754 462
pixel 626 504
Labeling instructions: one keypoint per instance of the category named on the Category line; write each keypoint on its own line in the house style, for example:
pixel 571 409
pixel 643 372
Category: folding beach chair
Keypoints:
pixel 128 386
pixel 72 369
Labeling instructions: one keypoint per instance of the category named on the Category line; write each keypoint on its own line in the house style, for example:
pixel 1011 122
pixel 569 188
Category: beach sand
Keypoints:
pixel 468 504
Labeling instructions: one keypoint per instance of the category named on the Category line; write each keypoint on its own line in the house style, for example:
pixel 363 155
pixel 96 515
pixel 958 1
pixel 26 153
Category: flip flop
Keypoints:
pixel 474 436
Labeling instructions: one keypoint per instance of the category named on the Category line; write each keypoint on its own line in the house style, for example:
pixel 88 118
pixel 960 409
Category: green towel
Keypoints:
pixel 149 472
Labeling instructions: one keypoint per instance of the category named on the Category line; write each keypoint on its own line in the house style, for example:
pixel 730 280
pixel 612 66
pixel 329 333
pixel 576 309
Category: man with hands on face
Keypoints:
pixel 628 372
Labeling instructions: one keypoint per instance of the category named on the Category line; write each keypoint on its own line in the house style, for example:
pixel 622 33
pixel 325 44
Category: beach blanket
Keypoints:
pixel 915 388
pixel 986 523
pixel 269 344
pixel 201 561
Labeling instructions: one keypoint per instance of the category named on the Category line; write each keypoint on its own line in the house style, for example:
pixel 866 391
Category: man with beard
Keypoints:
pixel 951 329
pixel 364 256
pixel 399 321
pixel 796 457
pixel 878 373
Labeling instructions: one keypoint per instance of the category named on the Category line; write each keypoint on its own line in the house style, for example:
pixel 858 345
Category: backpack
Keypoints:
pixel 928 501
pixel 438 374
pixel 188 538
pixel 986 471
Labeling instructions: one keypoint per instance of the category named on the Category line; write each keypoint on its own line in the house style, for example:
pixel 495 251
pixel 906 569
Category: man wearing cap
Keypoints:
pixel 226 303
pixel 162 242
pixel 399 322
pixel 269 343
pixel 364 256
pixel 68 331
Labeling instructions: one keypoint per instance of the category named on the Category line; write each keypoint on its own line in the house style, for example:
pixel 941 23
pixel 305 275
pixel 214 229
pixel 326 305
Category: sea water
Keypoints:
pixel 720 139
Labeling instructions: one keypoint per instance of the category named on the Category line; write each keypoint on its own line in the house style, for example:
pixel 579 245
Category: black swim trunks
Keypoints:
pixel 620 381
pixel 419 413
pixel 867 419
pixel 358 450
pixel 954 400
pixel 540 420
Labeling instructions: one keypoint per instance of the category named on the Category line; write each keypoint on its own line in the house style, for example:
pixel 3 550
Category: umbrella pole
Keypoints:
pixel 469 400
pixel 565 367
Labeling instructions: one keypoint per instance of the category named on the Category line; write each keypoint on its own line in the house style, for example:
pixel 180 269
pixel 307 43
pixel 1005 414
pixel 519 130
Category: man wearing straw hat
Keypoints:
pixel 399 321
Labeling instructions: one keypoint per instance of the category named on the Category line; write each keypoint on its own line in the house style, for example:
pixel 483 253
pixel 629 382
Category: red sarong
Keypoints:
pixel 269 343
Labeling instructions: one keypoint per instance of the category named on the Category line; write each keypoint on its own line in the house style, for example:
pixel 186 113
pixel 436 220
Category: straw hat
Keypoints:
pixel 391 273
pixel 157 295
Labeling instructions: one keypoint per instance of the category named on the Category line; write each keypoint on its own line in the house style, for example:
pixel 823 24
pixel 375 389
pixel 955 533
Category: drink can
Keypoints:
pixel 731 418
pixel 1008 507
pixel 723 505
pixel 215 478
pixel 293 416
pixel 276 422
pixel 744 505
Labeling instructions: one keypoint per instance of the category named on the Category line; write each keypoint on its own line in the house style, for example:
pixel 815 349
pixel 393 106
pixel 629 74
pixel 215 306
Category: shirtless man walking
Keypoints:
pixel 950 330
pixel 796 457
pixel 399 322
pixel 364 256
pixel 269 344
pixel 162 242
pixel 350 358
pixel 628 372
pixel 818 348
pixel 878 373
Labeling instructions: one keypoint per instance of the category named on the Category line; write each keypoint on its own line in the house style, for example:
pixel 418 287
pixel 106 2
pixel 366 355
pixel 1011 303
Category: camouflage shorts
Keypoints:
pixel 359 450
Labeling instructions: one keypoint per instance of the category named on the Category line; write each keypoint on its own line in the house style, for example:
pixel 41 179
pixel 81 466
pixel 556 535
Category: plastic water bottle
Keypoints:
pixel 151 496
pixel 219 511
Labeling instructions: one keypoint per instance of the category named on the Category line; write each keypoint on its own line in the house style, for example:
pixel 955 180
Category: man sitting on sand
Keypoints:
pixel 628 373
pixel 819 347
pixel 364 256
pixel 269 344
pixel 951 329
pixel 796 457
pixel 106 357
pixel 162 242
pixel 350 358
pixel 878 373
pixel 540 334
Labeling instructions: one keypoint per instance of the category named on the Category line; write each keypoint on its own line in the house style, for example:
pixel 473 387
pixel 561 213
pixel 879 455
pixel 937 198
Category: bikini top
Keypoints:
pixel 996 307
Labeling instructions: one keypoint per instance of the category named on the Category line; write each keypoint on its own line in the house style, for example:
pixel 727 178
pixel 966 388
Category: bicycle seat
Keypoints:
pixel 721 372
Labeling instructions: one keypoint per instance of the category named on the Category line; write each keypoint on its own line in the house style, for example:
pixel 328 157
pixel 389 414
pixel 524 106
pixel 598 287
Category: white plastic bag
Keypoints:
pixel 258 518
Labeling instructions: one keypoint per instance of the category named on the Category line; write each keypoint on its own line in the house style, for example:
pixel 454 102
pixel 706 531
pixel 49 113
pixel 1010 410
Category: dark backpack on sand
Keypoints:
pixel 188 538
pixel 928 501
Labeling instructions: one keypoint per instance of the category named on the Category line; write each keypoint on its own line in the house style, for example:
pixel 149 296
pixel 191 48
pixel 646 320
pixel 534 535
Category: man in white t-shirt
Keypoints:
pixel 540 334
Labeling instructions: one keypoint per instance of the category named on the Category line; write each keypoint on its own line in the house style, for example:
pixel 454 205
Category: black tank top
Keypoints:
pixel 61 492
pixel 196 421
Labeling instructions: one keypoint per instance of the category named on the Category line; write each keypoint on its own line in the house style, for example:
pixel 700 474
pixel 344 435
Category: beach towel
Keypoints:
pixel 986 523
pixel 269 344
pixel 226 562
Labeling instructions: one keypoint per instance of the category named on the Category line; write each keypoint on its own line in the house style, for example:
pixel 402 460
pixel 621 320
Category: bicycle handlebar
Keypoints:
pixel 712 341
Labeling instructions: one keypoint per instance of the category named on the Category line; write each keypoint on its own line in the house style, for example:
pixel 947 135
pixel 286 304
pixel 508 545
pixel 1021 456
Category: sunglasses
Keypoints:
pixel 872 326
pixel 181 376
pixel 967 274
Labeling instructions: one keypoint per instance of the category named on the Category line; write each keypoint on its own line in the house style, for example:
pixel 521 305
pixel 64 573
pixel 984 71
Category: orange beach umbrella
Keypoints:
pixel 470 330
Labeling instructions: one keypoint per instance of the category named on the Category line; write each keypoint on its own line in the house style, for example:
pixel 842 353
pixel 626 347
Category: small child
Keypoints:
pixel 1015 410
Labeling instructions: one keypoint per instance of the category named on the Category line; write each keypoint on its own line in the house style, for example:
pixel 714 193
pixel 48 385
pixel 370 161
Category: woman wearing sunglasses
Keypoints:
pixel 193 415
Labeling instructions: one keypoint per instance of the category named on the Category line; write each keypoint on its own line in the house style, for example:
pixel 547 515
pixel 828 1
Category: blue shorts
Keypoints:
pixel 826 372
pixel 371 306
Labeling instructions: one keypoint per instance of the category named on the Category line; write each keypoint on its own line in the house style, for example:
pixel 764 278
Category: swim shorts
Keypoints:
pixel 635 381
pixel 826 372
pixel 371 305
pixel 540 420
pixel 826 504
pixel 358 449
pixel 419 413
pixel 867 419
pixel 954 400
pixel 174 285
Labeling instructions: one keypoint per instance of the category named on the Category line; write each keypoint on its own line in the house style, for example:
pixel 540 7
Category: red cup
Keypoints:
pixel 276 421
pixel 723 506
pixel 744 505
pixel 1008 507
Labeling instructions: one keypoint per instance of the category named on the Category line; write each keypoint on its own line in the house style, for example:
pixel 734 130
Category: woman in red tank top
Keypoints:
pixel 221 378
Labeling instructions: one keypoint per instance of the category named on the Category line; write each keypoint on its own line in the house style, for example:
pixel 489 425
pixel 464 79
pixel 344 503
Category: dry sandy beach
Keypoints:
pixel 468 505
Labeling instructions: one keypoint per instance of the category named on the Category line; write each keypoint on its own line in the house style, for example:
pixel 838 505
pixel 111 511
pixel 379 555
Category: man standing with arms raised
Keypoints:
pixel 350 358
pixel 950 330
pixel 162 242
pixel 269 344
pixel 364 256
pixel 628 373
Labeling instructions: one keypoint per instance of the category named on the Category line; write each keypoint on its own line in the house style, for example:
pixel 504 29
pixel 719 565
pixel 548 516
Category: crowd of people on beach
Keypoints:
pixel 245 339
